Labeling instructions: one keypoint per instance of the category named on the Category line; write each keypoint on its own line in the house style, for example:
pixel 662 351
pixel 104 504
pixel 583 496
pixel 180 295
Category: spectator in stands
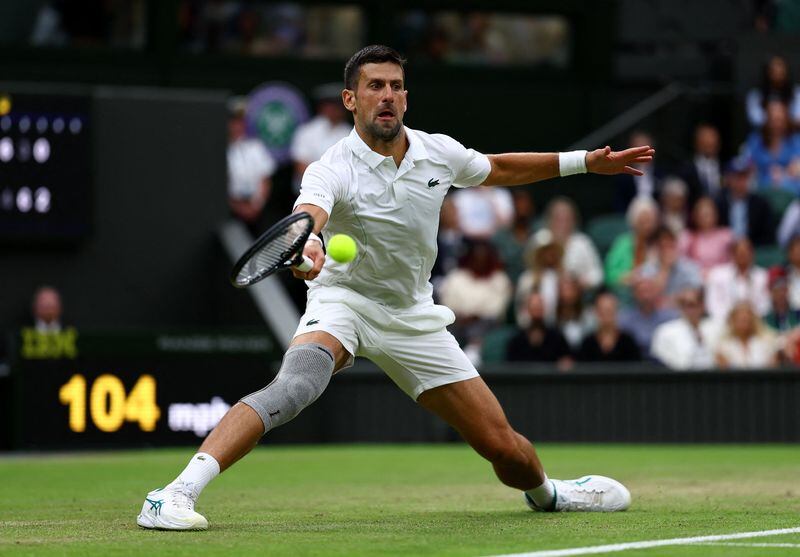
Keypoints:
pixel 608 343
pixel 314 137
pixel 703 174
pixel 478 292
pixel 46 309
pixel 511 242
pixel 793 271
pixel 776 85
pixel 789 226
pixel 482 212
pixel 571 318
pixel 781 317
pixel 671 272
pixel 674 204
pixel 738 280
pixel 746 342
pixel 450 242
pixel 708 243
pixel 631 249
pixel 776 151
pixel 544 258
pixel 630 187
pixel 746 213
pixel 250 169
pixel 580 256
pixel 539 342
pixel 645 316
pixel 687 342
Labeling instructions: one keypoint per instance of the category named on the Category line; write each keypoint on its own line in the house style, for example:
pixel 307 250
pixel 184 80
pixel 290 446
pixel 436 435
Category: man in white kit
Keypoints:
pixel 384 185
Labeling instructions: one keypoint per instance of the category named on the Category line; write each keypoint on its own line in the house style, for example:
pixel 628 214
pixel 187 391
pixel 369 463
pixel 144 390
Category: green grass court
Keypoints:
pixel 400 500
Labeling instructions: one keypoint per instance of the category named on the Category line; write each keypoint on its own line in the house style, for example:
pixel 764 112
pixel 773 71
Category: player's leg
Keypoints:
pixel 304 374
pixel 472 409
pixel 307 367
pixel 432 369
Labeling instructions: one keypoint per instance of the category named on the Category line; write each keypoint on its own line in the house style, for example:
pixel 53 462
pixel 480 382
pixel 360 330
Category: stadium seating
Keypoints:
pixel 768 256
pixel 778 200
pixel 494 344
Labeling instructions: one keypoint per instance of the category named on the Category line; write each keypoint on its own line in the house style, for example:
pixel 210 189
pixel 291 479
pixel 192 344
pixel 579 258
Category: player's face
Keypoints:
pixel 379 102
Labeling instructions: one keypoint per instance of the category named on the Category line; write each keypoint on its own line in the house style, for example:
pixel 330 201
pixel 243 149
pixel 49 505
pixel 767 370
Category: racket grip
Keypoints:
pixel 305 266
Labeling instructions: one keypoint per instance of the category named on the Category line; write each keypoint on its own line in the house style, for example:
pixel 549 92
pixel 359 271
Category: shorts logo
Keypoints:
pixel 312 322
pixel 433 182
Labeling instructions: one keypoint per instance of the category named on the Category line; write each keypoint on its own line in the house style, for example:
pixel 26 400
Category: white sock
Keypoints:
pixel 543 495
pixel 201 469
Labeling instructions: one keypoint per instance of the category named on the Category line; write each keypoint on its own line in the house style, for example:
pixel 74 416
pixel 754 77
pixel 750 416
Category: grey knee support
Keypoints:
pixel 305 372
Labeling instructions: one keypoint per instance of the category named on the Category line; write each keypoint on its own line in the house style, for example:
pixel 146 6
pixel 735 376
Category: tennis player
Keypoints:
pixel 384 185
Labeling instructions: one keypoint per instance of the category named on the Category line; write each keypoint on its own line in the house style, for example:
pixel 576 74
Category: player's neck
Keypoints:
pixel 395 147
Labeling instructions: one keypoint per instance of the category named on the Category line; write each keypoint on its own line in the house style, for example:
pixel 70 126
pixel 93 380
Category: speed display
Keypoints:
pixel 45 167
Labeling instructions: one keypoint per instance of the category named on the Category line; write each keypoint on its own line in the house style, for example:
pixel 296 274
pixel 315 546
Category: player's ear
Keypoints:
pixel 349 99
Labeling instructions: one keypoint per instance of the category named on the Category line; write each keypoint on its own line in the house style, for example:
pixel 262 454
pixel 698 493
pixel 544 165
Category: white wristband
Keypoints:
pixel 314 237
pixel 572 162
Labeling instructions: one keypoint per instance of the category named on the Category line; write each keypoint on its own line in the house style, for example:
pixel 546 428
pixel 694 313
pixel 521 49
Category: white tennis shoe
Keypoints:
pixel 171 508
pixel 589 494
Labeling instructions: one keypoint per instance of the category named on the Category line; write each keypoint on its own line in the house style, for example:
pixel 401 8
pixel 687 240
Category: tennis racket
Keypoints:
pixel 279 248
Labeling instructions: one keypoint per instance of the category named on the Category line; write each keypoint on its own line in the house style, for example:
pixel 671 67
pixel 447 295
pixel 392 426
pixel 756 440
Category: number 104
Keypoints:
pixel 109 406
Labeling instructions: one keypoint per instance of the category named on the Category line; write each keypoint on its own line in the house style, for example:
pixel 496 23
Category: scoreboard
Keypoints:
pixel 83 390
pixel 45 167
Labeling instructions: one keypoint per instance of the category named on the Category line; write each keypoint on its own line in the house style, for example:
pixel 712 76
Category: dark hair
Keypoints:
pixel 373 54
pixel 768 93
pixel 662 232
pixel 469 260
pixel 603 291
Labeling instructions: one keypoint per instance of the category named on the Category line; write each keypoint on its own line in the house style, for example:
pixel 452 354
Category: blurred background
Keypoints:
pixel 144 144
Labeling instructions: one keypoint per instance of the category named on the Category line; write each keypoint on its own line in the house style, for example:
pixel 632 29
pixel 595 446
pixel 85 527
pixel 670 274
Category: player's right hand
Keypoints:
pixel 312 250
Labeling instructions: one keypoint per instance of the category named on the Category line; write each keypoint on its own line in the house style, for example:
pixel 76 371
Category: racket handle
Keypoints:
pixel 305 266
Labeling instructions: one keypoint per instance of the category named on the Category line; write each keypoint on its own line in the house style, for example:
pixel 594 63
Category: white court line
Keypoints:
pixel 734 544
pixel 611 548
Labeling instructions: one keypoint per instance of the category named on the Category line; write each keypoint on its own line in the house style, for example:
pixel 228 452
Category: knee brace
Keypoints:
pixel 305 372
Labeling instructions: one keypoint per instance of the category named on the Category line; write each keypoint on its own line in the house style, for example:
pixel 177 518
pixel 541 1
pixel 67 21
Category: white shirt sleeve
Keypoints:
pixel 321 186
pixel 470 168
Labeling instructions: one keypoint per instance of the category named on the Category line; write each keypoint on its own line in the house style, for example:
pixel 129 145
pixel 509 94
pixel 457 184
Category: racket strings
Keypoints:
pixel 274 253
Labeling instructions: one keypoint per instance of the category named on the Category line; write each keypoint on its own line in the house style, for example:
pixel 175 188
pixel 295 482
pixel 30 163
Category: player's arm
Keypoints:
pixel 514 169
pixel 313 249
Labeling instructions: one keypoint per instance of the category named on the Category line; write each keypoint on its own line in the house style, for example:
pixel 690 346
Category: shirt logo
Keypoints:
pixel 312 322
pixel 433 182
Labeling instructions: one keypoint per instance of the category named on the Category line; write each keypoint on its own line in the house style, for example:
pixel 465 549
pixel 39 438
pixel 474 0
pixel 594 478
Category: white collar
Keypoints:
pixel 416 150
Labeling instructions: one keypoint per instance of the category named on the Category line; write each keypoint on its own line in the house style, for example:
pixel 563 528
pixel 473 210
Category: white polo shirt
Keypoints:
pixel 392 214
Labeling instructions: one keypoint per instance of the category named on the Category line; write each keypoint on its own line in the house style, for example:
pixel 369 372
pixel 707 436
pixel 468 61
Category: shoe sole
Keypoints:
pixel 148 524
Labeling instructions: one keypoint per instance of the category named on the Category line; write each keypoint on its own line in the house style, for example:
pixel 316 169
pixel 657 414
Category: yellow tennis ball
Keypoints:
pixel 342 248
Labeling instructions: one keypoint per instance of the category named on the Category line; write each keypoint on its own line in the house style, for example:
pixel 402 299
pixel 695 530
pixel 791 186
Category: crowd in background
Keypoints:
pixel 706 272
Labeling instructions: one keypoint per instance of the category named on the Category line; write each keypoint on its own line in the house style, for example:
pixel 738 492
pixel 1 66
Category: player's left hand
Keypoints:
pixel 606 161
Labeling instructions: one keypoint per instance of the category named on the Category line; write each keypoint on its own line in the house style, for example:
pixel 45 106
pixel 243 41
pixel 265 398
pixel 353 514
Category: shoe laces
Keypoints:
pixel 182 495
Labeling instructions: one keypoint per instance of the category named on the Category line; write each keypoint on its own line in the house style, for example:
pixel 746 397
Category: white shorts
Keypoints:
pixel 415 360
